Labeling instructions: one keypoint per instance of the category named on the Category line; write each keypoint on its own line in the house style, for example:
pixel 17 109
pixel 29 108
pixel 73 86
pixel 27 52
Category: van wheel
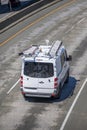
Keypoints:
pixel 25 97
pixel 67 78
pixel 59 93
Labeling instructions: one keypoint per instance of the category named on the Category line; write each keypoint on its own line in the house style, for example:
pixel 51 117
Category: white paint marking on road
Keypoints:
pixel 69 30
pixel 81 20
pixel 72 106
pixel 13 87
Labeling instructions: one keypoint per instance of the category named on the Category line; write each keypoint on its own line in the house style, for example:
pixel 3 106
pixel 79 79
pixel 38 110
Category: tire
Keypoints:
pixel 67 78
pixel 25 97
pixel 59 93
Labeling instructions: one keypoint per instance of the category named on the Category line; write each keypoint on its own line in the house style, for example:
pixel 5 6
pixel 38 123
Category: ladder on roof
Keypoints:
pixel 55 47
pixel 30 51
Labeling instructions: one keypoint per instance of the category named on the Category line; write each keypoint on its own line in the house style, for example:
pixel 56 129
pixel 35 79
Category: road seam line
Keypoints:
pixel 72 106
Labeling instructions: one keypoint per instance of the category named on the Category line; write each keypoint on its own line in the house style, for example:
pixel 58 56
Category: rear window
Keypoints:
pixel 40 70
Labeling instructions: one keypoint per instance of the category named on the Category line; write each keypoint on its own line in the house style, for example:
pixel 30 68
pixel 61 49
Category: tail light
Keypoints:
pixel 55 82
pixel 21 81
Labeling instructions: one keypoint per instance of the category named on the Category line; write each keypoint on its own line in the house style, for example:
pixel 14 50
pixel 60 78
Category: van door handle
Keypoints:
pixel 41 82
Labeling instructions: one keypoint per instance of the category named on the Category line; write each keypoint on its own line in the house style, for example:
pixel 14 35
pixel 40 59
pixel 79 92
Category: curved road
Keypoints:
pixel 66 21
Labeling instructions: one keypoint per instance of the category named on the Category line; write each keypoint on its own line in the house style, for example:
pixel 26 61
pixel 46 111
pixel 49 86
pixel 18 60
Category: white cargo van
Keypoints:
pixel 45 69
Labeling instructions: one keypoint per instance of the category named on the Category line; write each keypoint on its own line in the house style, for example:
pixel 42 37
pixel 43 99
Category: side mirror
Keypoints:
pixel 20 54
pixel 69 58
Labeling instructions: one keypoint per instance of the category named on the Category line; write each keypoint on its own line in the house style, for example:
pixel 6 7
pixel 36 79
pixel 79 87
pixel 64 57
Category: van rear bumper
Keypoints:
pixel 38 95
pixel 45 93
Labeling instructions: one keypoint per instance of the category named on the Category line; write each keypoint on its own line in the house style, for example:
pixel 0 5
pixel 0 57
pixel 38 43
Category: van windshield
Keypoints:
pixel 40 70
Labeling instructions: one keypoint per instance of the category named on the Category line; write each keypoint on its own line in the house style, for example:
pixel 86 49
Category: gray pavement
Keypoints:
pixel 78 117
pixel 5 11
pixel 66 23
pixel 9 17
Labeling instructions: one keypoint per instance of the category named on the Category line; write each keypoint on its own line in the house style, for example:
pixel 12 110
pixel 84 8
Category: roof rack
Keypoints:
pixel 55 47
pixel 30 51
pixel 34 50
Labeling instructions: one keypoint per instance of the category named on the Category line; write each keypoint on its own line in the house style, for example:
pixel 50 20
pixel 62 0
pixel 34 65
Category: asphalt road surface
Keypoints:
pixel 66 21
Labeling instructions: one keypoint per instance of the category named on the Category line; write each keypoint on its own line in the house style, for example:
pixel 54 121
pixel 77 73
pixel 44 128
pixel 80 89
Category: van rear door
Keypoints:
pixel 38 75
pixel 46 75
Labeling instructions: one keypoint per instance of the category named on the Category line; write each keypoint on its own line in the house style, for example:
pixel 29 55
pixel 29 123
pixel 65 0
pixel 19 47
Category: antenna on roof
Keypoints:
pixel 47 41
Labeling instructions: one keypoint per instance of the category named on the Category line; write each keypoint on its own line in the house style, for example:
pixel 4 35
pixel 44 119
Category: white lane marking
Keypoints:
pixel 81 20
pixel 13 87
pixel 72 106
pixel 70 29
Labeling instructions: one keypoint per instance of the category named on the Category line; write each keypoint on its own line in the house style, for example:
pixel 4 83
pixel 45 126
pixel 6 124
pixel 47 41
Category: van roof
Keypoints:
pixel 43 51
